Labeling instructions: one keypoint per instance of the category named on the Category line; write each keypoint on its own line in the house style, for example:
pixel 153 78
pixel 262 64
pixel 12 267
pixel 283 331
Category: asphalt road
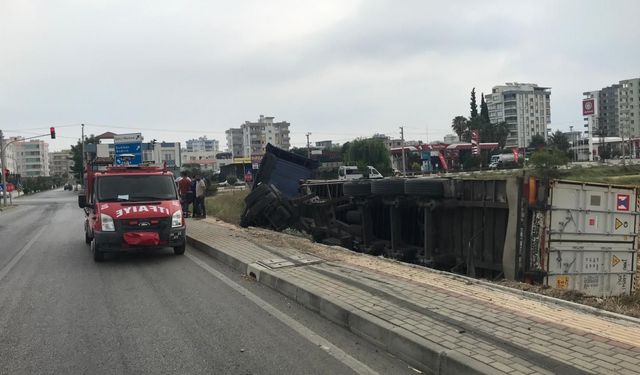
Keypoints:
pixel 149 312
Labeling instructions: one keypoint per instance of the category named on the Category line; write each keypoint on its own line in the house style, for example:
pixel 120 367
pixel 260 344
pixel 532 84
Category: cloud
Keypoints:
pixel 338 69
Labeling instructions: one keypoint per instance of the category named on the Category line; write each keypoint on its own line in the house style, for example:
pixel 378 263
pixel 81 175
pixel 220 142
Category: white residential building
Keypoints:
pixel 32 158
pixel 234 142
pixel 203 144
pixel 60 163
pixel 256 135
pixel 525 107
pixel 10 155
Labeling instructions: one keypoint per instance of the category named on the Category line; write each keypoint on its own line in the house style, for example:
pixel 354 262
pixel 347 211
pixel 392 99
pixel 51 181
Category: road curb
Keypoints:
pixel 415 350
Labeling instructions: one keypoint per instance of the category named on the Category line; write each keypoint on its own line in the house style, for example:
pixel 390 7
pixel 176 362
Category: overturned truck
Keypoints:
pixel 564 234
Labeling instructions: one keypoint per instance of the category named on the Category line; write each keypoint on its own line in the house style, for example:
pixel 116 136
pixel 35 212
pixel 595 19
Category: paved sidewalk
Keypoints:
pixel 437 322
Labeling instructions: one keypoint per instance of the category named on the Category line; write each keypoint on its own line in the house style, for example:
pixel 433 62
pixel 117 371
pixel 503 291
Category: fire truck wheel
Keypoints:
pixel 179 250
pixel 98 255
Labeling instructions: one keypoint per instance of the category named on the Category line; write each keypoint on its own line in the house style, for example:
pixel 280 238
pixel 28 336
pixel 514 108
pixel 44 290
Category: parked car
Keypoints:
pixel 68 186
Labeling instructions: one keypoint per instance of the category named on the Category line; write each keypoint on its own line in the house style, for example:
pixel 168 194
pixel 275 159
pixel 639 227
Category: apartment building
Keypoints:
pixel 203 144
pixel 10 154
pixel 32 158
pixel 254 137
pixel 617 110
pixel 234 142
pixel 60 163
pixel 629 107
pixel 525 107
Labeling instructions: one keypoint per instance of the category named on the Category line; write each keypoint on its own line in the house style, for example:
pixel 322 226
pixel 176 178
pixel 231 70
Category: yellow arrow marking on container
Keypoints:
pixel 615 260
pixel 619 223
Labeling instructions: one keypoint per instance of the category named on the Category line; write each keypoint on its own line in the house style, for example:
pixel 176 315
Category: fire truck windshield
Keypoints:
pixel 135 188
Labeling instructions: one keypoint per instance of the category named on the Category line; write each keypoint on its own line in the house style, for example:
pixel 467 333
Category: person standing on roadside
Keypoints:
pixel 201 188
pixel 184 186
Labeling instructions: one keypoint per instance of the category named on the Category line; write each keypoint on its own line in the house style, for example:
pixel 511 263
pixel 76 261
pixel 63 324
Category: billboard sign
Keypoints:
pixel 588 107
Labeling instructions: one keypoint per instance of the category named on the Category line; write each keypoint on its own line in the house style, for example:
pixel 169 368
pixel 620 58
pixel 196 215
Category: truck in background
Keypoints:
pixel 502 161
pixel 351 172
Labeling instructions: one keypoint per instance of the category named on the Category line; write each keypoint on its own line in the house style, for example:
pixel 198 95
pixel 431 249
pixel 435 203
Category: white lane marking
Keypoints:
pixel 16 258
pixel 303 331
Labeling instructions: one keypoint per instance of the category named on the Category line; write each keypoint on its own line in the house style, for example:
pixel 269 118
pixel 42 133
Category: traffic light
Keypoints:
pixel 52 130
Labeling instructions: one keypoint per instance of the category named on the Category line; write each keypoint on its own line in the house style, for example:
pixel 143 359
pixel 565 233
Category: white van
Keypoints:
pixel 351 172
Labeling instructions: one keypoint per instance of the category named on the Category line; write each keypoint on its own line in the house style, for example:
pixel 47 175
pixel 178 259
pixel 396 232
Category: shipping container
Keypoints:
pixel 590 242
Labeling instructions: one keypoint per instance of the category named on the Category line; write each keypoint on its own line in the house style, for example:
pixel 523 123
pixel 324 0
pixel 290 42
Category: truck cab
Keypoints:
pixel 129 208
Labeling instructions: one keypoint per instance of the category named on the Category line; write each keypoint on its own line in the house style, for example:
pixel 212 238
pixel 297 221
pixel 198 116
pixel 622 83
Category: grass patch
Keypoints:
pixel 609 174
pixel 227 206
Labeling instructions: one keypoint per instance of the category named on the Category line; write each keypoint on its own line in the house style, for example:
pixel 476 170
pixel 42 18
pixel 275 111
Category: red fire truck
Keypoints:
pixel 129 208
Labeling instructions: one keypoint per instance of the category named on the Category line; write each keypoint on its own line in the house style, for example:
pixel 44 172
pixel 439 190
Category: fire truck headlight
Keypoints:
pixel 107 223
pixel 176 219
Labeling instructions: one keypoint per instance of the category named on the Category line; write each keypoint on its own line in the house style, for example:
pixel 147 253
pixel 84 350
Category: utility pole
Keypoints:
pixel 308 146
pixel 4 166
pixel 82 166
pixel 574 141
pixel 404 164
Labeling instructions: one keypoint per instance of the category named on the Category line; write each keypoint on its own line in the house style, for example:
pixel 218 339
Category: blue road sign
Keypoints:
pixel 128 148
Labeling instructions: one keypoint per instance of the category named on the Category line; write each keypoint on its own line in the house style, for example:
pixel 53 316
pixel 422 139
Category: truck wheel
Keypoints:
pixel 357 188
pixel 179 250
pixel 98 255
pixel 391 186
pixel 426 187
pixel 87 238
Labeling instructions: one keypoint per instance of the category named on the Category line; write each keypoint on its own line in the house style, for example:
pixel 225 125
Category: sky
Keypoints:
pixel 176 70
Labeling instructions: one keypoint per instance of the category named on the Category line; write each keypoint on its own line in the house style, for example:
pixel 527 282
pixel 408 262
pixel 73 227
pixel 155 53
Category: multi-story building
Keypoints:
pixel 629 107
pixel 324 144
pixel 32 158
pixel 10 154
pixel 617 110
pixel 388 142
pixel 451 138
pixel 203 144
pixel 525 107
pixel 60 163
pixel 234 142
pixel 608 116
pixel 256 135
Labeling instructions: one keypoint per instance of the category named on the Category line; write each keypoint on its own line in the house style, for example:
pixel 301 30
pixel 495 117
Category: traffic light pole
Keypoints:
pixel 4 167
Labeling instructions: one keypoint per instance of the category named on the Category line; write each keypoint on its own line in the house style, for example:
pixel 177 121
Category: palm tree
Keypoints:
pixel 460 125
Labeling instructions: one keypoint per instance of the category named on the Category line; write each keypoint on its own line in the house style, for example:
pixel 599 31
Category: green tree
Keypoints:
pixel 537 142
pixel 474 105
pixel 300 151
pixel 364 152
pixel 76 155
pixel 547 160
pixel 484 110
pixel 501 132
pixel 460 125
pixel 560 141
